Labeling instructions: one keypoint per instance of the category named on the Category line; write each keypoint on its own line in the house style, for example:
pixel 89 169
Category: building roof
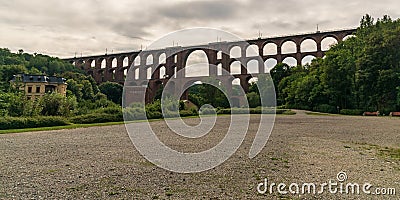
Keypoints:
pixel 27 78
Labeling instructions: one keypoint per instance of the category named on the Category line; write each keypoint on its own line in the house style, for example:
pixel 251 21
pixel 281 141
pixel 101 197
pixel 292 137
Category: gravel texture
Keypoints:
pixel 102 163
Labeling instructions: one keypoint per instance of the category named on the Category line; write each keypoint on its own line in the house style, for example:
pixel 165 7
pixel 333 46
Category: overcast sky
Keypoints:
pixel 63 27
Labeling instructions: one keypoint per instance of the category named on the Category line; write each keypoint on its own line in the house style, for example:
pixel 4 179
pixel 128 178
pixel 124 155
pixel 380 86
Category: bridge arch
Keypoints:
pixel 113 61
pixel 288 47
pixel 102 63
pixel 308 45
pixel 162 59
pixel 90 63
pixel 219 69
pixel 137 61
pixel 149 72
pixel 253 67
pixel 137 74
pixel 348 37
pixel 306 60
pixel 270 48
pixel 219 55
pixel 197 63
pixel 163 72
pixel 235 52
pixel 270 64
pixel 328 42
pixel 150 59
pixel 125 61
pixel 291 61
pixel 252 50
pixel 80 64
pixel 330 36
pixel 235 67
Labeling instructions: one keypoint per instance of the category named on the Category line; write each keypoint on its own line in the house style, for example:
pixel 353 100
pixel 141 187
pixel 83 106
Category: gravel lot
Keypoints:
pixel 102 163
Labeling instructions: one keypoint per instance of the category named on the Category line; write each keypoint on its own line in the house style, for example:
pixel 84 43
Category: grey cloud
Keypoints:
pixel 65 26
pixel 201 10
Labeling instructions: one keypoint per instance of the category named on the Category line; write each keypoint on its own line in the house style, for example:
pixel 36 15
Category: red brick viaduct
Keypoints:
pixel 164 63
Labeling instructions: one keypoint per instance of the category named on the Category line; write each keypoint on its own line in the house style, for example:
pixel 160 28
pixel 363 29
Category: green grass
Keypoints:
pixel 321 114
pixel 392 153
pixel 383 152
pixel 73 126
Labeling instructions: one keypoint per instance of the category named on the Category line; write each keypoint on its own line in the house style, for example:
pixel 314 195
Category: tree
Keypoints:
pixel 278 73
pixel 87 90
pixel 201 94
pixel 113 91
pixel 362 72
pixel 55 104
pixel 254 99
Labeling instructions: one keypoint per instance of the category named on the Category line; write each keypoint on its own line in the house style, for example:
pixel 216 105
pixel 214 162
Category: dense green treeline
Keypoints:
pixel 84 96
pixel 37 64
pixel 361 73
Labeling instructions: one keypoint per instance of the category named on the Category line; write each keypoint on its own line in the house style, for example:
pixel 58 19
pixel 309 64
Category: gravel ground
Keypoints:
pixel 102 163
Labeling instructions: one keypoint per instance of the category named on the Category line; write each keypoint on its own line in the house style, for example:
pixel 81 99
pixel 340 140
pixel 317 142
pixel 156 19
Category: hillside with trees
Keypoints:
pixel 359 74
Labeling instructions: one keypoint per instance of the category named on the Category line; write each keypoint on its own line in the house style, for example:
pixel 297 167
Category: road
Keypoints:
pixel 102 163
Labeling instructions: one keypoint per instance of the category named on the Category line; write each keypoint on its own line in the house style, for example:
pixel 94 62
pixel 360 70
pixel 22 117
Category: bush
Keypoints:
pixel 115 110
pixel 97 118
pixel 55 104
pixel 288 112
pixel 208 111
pixel 134 113
pixel 351 112
pixel 325 108
pixel 258 110
pixel 225 111
pixel 190 112
pixel 29 122
pixel 254 99
pixel 154 115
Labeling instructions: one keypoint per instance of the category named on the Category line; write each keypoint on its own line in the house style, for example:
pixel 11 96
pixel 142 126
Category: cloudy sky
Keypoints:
pixel 88 27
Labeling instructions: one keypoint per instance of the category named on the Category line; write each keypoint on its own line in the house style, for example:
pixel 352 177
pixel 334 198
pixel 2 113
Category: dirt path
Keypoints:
pixel 101 162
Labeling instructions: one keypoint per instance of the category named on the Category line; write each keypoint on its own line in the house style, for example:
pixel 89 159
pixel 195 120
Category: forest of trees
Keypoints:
pixel 359 74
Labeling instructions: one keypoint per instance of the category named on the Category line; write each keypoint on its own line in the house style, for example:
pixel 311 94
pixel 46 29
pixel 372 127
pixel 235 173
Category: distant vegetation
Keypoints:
pixel 359 74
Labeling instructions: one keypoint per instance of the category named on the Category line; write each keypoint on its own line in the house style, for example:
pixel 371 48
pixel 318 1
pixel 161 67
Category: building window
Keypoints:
pixel 29 89
pixel 37 89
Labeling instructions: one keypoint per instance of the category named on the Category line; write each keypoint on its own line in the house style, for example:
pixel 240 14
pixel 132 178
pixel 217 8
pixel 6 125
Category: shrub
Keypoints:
pixel 288 112
pixel 154 115
pixel 253 99
pixel 325 108
pixel 109 110
pixel 97 118
pixel 29 122
pixel 208 111
pixel 225 111
pixel 190 112
pixel 351 112
pixel 282 107
pixel 134 113
pixel 55 104
pixel 257 110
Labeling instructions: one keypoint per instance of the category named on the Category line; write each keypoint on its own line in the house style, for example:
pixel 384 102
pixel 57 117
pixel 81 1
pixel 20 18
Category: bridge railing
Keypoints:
pixel 223 42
